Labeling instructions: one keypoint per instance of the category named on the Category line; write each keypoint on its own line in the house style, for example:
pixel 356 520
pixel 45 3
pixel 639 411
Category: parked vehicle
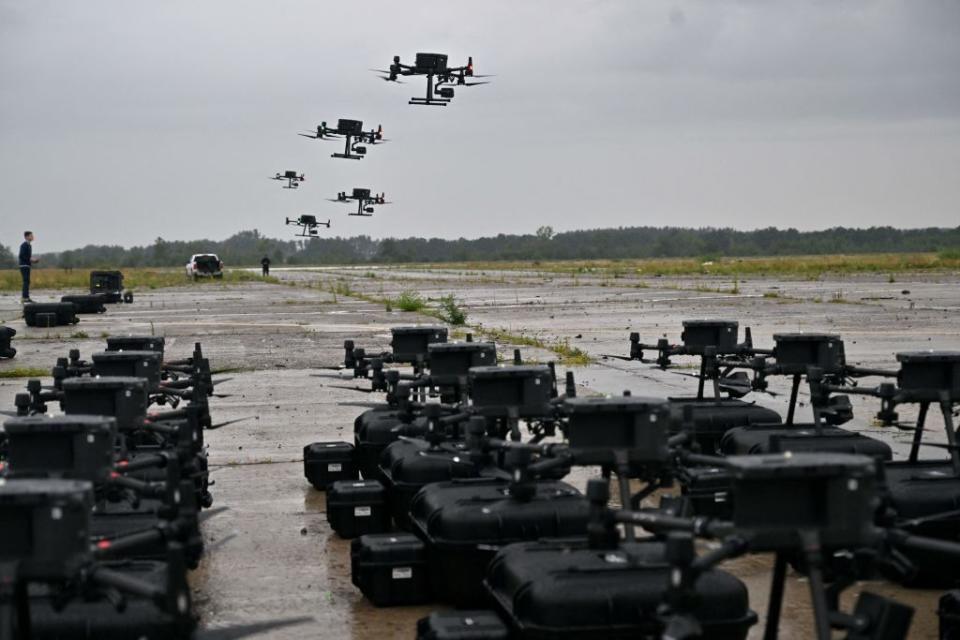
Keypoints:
pixel 205 265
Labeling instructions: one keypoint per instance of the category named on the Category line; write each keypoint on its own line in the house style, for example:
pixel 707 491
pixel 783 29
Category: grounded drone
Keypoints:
pixel 430 65
pixel 353 131
pixel 364 199
pixel 308 225
pixel 293 180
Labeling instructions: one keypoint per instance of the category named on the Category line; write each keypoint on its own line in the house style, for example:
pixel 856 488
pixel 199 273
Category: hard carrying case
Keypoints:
pixel 713 418
pixel 565 589
pixel 87 303
pixel 327 462
pixel 109 283
pixel 357 507
pixel 390 569
pixel 6 334
pixel 462 625
pixel 373 431
pixel 948 612
pixel 752 440
pixel 406 466
pixel 50 314
pixel 465 522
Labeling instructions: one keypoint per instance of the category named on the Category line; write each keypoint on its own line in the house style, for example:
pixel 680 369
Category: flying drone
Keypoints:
pixel 364 199
pixel 308 225
pixel 353 131
pixel 293 180
pixel 433 65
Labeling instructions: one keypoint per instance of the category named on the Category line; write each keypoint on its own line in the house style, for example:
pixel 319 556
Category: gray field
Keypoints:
pixel 278 557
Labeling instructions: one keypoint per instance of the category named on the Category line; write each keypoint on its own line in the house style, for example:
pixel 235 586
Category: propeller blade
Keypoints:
pixel 246 630
pixel 220 381
pixel 203 516
pixel 616 357
pixel 12 414
pixel 473 84
pixel 364 405
pixel 207 548
pixel 483 75
pixel 228 422
pixel 340 386
pixel 305 136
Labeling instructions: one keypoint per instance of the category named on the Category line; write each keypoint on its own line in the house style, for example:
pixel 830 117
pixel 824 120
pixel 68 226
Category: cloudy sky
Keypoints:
pixel 125 120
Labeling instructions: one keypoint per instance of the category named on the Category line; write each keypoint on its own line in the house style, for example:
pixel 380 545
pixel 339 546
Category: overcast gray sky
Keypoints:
pixel 123 120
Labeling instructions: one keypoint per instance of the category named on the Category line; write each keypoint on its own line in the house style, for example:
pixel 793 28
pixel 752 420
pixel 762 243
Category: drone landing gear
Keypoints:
pixel 349 156
pixel 430 99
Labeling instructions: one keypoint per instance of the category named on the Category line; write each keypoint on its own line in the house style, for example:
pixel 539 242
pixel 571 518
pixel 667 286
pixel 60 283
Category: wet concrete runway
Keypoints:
pixel 274 554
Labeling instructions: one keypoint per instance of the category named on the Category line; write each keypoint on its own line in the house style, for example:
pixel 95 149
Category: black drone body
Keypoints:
pixel 364 200
pixel 293 179
pixel 353 134
pixel 308 225
pixel 434 67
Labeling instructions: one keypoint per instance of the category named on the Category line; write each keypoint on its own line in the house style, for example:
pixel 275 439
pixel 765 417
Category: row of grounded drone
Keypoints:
pixel 438 74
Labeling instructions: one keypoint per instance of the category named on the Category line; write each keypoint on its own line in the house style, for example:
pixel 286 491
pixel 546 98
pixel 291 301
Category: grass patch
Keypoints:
pixel 567 355
pixel 410 301
pixel 24 372
pixel 133 278
pixel 810 267
pixel 450 312
pixel 79 335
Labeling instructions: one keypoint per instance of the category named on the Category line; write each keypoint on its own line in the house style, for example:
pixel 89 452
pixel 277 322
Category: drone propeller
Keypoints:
pixel 246 630
pixel 364 405
pixel 203 516
pixel 616 357
pixel 340 386
pixel 387 78
pixel 218 544
pixel 228 422
pixel 473 84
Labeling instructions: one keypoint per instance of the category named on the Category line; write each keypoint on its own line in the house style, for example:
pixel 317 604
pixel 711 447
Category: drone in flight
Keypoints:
pixel 293 180
pixel 433 65
pixel 308 225
pixel 355 136
pixel 364 200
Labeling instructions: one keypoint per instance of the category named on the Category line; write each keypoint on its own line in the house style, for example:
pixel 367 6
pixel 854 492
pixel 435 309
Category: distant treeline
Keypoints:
pixel 249 247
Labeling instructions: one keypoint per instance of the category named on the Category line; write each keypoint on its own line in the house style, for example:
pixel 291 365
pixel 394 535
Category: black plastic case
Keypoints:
pixel 49 314
pixel 465 522
pixel 564 589
pixel 751 440
pixel 109 283
pixel 327 462
pixel 357 507
pixel 373 431
pixel 949 613
pixel 87 303
pixel 713 418
pixel 462 625
pixel 390 569
pixel 407 465
pixel 6 334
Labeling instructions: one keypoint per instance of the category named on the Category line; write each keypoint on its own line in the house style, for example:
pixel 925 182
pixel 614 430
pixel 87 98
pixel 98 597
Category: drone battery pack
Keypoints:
pixel 465 522
pixel 50 314
pixel 410 344
pixel 711 418
pixel 758 439
pixel 598 428
pixel 927 374
pixel 524 390
pixel 87 303
pixel 6 334
pixel 948 612
pixel 390 569
pixel 72 447
pixel 451 361
pixel 778 495
pixel 462 625
pixel 406 466
pixel 357 507
pixel 327 462
pixel 700 334
pixel 109 283
pixel 133 364
pixel 566 590
pixel 886 619
pixel 123 398
pixel 795 352
pixel 136 343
